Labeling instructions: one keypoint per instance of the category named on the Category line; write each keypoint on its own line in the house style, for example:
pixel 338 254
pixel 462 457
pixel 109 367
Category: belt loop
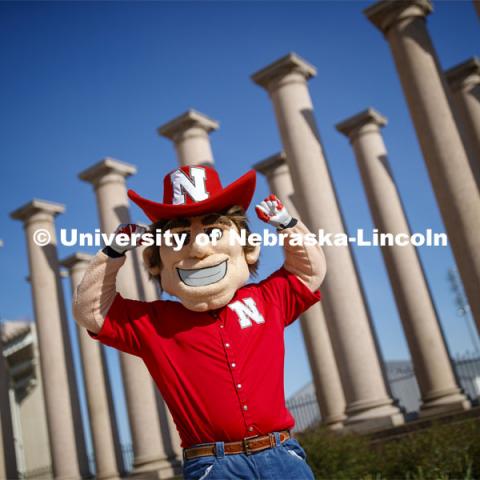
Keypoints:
pixel 219 449
pixel 277 439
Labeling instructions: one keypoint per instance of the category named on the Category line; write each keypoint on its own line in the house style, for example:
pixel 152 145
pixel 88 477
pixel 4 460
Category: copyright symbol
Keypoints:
pixel 41 237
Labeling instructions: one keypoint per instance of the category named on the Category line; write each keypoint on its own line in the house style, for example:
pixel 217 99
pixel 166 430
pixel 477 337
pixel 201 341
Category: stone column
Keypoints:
pixel 38 216
pixel 369 405
pixel 108 179
pixel 431 362
pixel 464 83
pixel 404 27
pixel 170 436
pixel 322 362
pixel 8 461
pixel 101 419
pixel 189 132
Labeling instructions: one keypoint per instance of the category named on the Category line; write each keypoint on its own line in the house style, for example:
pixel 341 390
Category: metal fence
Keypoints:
pixel 127 455
pixel 403 385
pixel 468 372
pixel 305 411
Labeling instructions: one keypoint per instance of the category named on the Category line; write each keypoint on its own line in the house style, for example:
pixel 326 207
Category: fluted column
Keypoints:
pixel 464 83
pixel 189 132
pixel 431 362
pixel 403 24
pixel 368 402
pixel 108 179
pixel 101 418
pixel 36 216
pixel 322 362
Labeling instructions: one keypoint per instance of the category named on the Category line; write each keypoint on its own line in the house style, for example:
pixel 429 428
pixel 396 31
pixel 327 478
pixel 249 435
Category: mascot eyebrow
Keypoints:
pixel 216 218
pixel 206 220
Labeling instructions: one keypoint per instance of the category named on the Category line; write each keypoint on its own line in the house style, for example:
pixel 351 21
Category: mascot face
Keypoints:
pixel 204 275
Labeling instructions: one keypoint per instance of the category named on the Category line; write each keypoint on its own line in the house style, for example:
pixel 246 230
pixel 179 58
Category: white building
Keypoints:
pixel 22 379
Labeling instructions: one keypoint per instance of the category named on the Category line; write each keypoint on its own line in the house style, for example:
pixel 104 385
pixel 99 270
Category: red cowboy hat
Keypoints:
pixel 196 190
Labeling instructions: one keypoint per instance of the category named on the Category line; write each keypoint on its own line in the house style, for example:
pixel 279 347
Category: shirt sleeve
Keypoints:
pixel 285 291
pixel 123 325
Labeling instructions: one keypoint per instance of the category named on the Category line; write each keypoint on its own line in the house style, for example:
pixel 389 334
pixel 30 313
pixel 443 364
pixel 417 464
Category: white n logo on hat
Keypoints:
pixel 246 310
pixel 194 185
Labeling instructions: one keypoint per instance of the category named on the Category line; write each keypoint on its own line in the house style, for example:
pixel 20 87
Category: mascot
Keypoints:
pixel 216 354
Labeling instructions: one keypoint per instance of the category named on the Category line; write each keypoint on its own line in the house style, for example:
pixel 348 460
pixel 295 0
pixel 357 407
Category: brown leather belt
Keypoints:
pixel 248 446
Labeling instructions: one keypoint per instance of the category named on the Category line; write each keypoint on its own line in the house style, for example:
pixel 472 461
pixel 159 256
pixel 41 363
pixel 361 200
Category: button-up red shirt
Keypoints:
pixel 220 372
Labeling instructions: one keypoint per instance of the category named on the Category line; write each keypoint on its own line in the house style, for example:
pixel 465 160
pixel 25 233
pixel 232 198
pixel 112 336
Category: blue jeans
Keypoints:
pixel 285 461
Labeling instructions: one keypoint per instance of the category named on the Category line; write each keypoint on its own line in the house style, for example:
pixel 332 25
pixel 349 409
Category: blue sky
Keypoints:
pixel 84 80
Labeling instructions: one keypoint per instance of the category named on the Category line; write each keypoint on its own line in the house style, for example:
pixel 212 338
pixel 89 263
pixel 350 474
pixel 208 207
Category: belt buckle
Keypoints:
pixel 246 448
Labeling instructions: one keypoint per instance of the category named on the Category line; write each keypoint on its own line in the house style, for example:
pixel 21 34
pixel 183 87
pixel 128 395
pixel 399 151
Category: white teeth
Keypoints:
pixel 200 277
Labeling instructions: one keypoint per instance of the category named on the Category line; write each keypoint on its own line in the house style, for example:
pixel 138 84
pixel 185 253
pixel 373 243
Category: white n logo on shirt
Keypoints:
pixel 194 185
pixel 246 310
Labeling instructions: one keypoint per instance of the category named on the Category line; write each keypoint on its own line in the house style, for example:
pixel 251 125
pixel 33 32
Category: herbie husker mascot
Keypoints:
pixel 217 355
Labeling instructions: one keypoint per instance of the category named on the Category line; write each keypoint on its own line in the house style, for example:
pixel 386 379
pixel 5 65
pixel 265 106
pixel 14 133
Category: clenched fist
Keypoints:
pixel 272 211
pixel 127 229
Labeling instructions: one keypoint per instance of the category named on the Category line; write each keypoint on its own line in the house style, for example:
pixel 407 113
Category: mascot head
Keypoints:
pixel 209 268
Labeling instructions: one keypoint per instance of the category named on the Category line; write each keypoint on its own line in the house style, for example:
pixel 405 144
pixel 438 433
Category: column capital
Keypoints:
pixel 369 117
pixel 105 167
pixel 464 74
pixel 290 63
pixel 10 330
pixel 271 164
pixel 75 259
pixel 48 209
pixel 190 119
pixel 386 13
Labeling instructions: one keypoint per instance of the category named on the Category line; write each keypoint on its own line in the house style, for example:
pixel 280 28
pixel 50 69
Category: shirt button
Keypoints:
pixel 250 429
pixel 239 385
pixel 227 345
pixel 221 326
pixel 245 407
pixel 234 365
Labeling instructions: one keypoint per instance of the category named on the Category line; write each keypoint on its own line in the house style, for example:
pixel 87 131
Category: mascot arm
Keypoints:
pixel 95 294
pixel 97 290
pixel 305 261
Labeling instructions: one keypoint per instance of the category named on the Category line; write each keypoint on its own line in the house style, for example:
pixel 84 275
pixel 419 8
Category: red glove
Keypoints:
pixel 272 211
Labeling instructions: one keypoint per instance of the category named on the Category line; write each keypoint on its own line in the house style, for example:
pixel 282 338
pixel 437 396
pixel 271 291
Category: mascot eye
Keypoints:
pixel 187 235
pixel 214 233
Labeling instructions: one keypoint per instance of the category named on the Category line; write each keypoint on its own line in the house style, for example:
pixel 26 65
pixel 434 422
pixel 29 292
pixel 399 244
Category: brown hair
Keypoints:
pixel 234 215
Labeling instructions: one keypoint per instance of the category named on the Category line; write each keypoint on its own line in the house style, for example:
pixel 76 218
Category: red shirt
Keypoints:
pixel 220 372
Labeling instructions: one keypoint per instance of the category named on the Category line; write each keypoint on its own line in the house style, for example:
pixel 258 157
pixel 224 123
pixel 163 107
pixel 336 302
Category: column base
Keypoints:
pixel 375 423
pixel 334 426
pixel 157 475
pixel 453 401
pixel 157 470
pixel 42 473
pixel 335 422
pixel 368 416
pixel 108 476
